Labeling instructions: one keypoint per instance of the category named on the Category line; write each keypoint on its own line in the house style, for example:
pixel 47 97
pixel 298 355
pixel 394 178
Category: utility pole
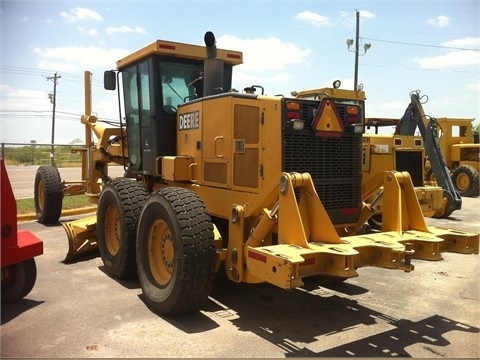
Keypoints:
pixel 53 100
pixel 357 37
pixel 350 42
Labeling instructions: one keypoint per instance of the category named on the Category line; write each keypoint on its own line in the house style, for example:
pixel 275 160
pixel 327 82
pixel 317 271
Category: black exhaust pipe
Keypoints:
pixel 211 45
pixel 213 67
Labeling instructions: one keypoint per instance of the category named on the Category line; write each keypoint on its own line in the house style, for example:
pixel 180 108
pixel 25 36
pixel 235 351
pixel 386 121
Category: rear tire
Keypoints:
pixel 118 213
pixel 465 178
pixel 176 253
pixel 48 194
pixel 18 280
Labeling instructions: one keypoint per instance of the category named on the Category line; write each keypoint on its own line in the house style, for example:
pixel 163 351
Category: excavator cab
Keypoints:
pixel 156 80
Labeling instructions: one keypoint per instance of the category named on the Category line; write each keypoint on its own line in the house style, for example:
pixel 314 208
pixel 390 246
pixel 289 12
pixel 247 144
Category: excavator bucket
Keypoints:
pixel 82 237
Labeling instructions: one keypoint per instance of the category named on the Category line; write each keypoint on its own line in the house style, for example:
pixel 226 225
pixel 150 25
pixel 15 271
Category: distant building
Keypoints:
pixel 62 141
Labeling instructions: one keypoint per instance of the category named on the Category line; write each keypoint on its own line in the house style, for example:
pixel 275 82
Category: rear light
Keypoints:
pixel 291 115
pixel 352 114
pixel 352 110
pixel 291 105
pixel 298 124
pixel 358 128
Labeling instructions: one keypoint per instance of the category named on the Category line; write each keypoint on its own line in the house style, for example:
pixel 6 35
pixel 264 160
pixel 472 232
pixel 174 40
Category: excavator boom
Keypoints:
pixel 415 117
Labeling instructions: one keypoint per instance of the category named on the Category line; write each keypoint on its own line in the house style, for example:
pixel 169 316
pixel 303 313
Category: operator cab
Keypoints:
pixel 156 80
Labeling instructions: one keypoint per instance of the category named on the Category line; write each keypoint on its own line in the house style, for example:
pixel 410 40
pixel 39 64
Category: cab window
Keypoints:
pixel 178 82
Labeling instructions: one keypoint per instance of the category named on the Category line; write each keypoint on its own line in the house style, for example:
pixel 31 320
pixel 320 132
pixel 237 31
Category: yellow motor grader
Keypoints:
pixel 265 188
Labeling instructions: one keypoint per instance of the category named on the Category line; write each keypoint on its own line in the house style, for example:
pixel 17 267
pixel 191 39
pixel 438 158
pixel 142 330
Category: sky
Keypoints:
pixel 428 45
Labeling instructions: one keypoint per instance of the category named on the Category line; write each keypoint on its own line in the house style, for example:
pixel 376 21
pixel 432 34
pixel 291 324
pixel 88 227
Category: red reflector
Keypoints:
pixel 350 211
pixel 309 261
pixel 234 56
pixel 257 256
pixel 352 119
pixel 166 46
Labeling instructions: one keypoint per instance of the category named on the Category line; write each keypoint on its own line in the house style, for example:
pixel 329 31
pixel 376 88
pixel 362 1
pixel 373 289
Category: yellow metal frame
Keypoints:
pixel 308 244
pixel 452 145
pixel 379 154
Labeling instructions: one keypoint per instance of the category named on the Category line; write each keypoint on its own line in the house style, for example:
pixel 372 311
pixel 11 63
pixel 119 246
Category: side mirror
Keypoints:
pixel 109 80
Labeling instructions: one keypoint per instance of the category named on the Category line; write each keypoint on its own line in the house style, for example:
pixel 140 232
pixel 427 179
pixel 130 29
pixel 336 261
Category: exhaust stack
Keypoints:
pixel 213 68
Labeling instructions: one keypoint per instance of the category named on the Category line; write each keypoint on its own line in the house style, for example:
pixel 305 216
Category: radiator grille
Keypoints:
pixel 333 163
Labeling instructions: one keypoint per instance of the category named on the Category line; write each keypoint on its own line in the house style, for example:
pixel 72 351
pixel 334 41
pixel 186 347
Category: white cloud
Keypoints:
pixel 440 21
pixel 266 61
pixel 464 42
pixel 264 54
pixel 125 29
pixel 20 99
pixel 75 58
pixel 79 14
pixel 313 18
pixel 366 14
pixel 451 59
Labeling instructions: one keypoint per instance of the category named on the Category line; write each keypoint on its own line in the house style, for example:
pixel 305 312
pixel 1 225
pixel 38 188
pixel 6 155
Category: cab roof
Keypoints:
pixel 180 50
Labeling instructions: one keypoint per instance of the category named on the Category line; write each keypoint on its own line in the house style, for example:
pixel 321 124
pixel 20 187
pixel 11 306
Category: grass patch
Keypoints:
pixel 27 206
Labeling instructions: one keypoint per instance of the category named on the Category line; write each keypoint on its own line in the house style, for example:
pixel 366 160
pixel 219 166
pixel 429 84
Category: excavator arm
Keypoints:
pixel 414 117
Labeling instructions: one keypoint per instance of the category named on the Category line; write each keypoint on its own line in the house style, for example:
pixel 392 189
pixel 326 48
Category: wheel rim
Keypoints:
pixel 463 181
pixel 41 195
pixel 160 251
pixel 112 230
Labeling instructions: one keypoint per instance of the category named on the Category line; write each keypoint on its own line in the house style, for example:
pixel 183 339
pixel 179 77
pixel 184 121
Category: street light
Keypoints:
pixel 356 50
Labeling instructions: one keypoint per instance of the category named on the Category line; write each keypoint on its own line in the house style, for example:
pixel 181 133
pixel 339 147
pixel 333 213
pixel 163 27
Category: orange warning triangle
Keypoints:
pixel 327 122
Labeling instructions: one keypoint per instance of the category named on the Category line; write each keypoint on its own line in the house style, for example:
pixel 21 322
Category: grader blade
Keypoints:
pixel 82 237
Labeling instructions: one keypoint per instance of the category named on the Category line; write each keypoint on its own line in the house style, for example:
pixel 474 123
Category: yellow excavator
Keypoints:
pixel 265 188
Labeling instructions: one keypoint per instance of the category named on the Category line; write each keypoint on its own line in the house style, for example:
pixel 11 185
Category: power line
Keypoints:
pixel 423 45
pixel 30 71
pixel 406 68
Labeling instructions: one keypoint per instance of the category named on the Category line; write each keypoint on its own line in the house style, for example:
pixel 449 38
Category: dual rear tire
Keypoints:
pixel 176 254
pixel 118 212
pixel 166 239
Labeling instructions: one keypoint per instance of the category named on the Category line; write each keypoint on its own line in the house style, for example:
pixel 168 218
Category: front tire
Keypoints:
pixel 176 253
pixel 48 195
pixel 18 280
pixel 118 213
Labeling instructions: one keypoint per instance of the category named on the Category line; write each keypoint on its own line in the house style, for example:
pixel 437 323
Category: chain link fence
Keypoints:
pixel 22 161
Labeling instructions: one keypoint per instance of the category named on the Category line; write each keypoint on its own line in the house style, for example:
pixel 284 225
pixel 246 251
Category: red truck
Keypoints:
pixel 19 271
